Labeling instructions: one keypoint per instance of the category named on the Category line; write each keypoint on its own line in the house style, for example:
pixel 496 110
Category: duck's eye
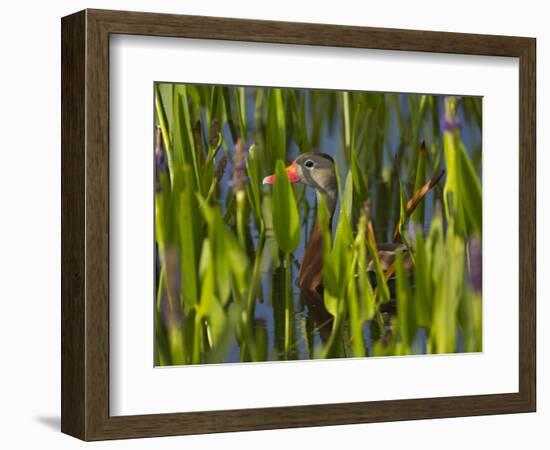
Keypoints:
pixel 309 164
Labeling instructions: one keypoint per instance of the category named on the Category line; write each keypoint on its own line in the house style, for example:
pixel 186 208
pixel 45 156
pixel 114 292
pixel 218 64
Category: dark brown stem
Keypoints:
pixel 417 197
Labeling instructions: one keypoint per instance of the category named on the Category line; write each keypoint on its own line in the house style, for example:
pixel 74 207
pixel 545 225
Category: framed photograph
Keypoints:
pixel 270 224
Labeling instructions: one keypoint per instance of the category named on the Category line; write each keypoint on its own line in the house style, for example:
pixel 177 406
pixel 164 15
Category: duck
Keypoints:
pixel 317 171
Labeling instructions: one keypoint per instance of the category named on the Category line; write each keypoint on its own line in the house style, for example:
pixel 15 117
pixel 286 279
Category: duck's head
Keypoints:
pixel 316 170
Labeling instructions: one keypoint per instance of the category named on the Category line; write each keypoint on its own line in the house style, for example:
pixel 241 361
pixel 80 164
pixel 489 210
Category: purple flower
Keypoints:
pixel 160 159
pixel 239 167
pixel 476 266
pixel 450 123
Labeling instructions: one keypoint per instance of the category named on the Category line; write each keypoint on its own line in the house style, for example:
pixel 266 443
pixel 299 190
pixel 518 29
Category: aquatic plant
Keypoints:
pixel 229 248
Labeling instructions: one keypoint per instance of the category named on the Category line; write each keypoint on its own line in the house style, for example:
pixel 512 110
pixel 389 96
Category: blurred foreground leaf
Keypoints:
pixel 286 219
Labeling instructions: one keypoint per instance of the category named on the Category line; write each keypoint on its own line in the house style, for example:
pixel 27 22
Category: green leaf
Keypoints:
pixel 229 113
pixel 471 190
pixel 406 317
pixel 467 319
pixel 356 320
pixel 299 119
pixel 330 276
pixel 423 291
pixel 190 237
pixel 230 262
pixel 253 188
pixel 347 119
pixel 239 94
pixel 341 255
pixel 462 192
pixel 347 200
pixel 381 284
pixel 276 128
pixel 286 219
pixel 448 277
pixel 402 209
pixel 366 293
pixel 164 117
pixel 451 192
pixel 210 308
pixel 359 181
pixel 184 143
pixel 216 105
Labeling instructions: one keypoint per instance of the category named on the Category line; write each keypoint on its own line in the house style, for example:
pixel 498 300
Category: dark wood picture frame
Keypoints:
pixel 85 224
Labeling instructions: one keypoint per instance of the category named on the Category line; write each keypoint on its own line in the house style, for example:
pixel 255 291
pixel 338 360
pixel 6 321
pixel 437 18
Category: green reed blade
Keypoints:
pixel 239 96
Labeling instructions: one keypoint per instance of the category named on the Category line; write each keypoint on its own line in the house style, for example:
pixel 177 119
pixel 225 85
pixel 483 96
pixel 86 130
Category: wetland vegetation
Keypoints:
pixel 389 224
